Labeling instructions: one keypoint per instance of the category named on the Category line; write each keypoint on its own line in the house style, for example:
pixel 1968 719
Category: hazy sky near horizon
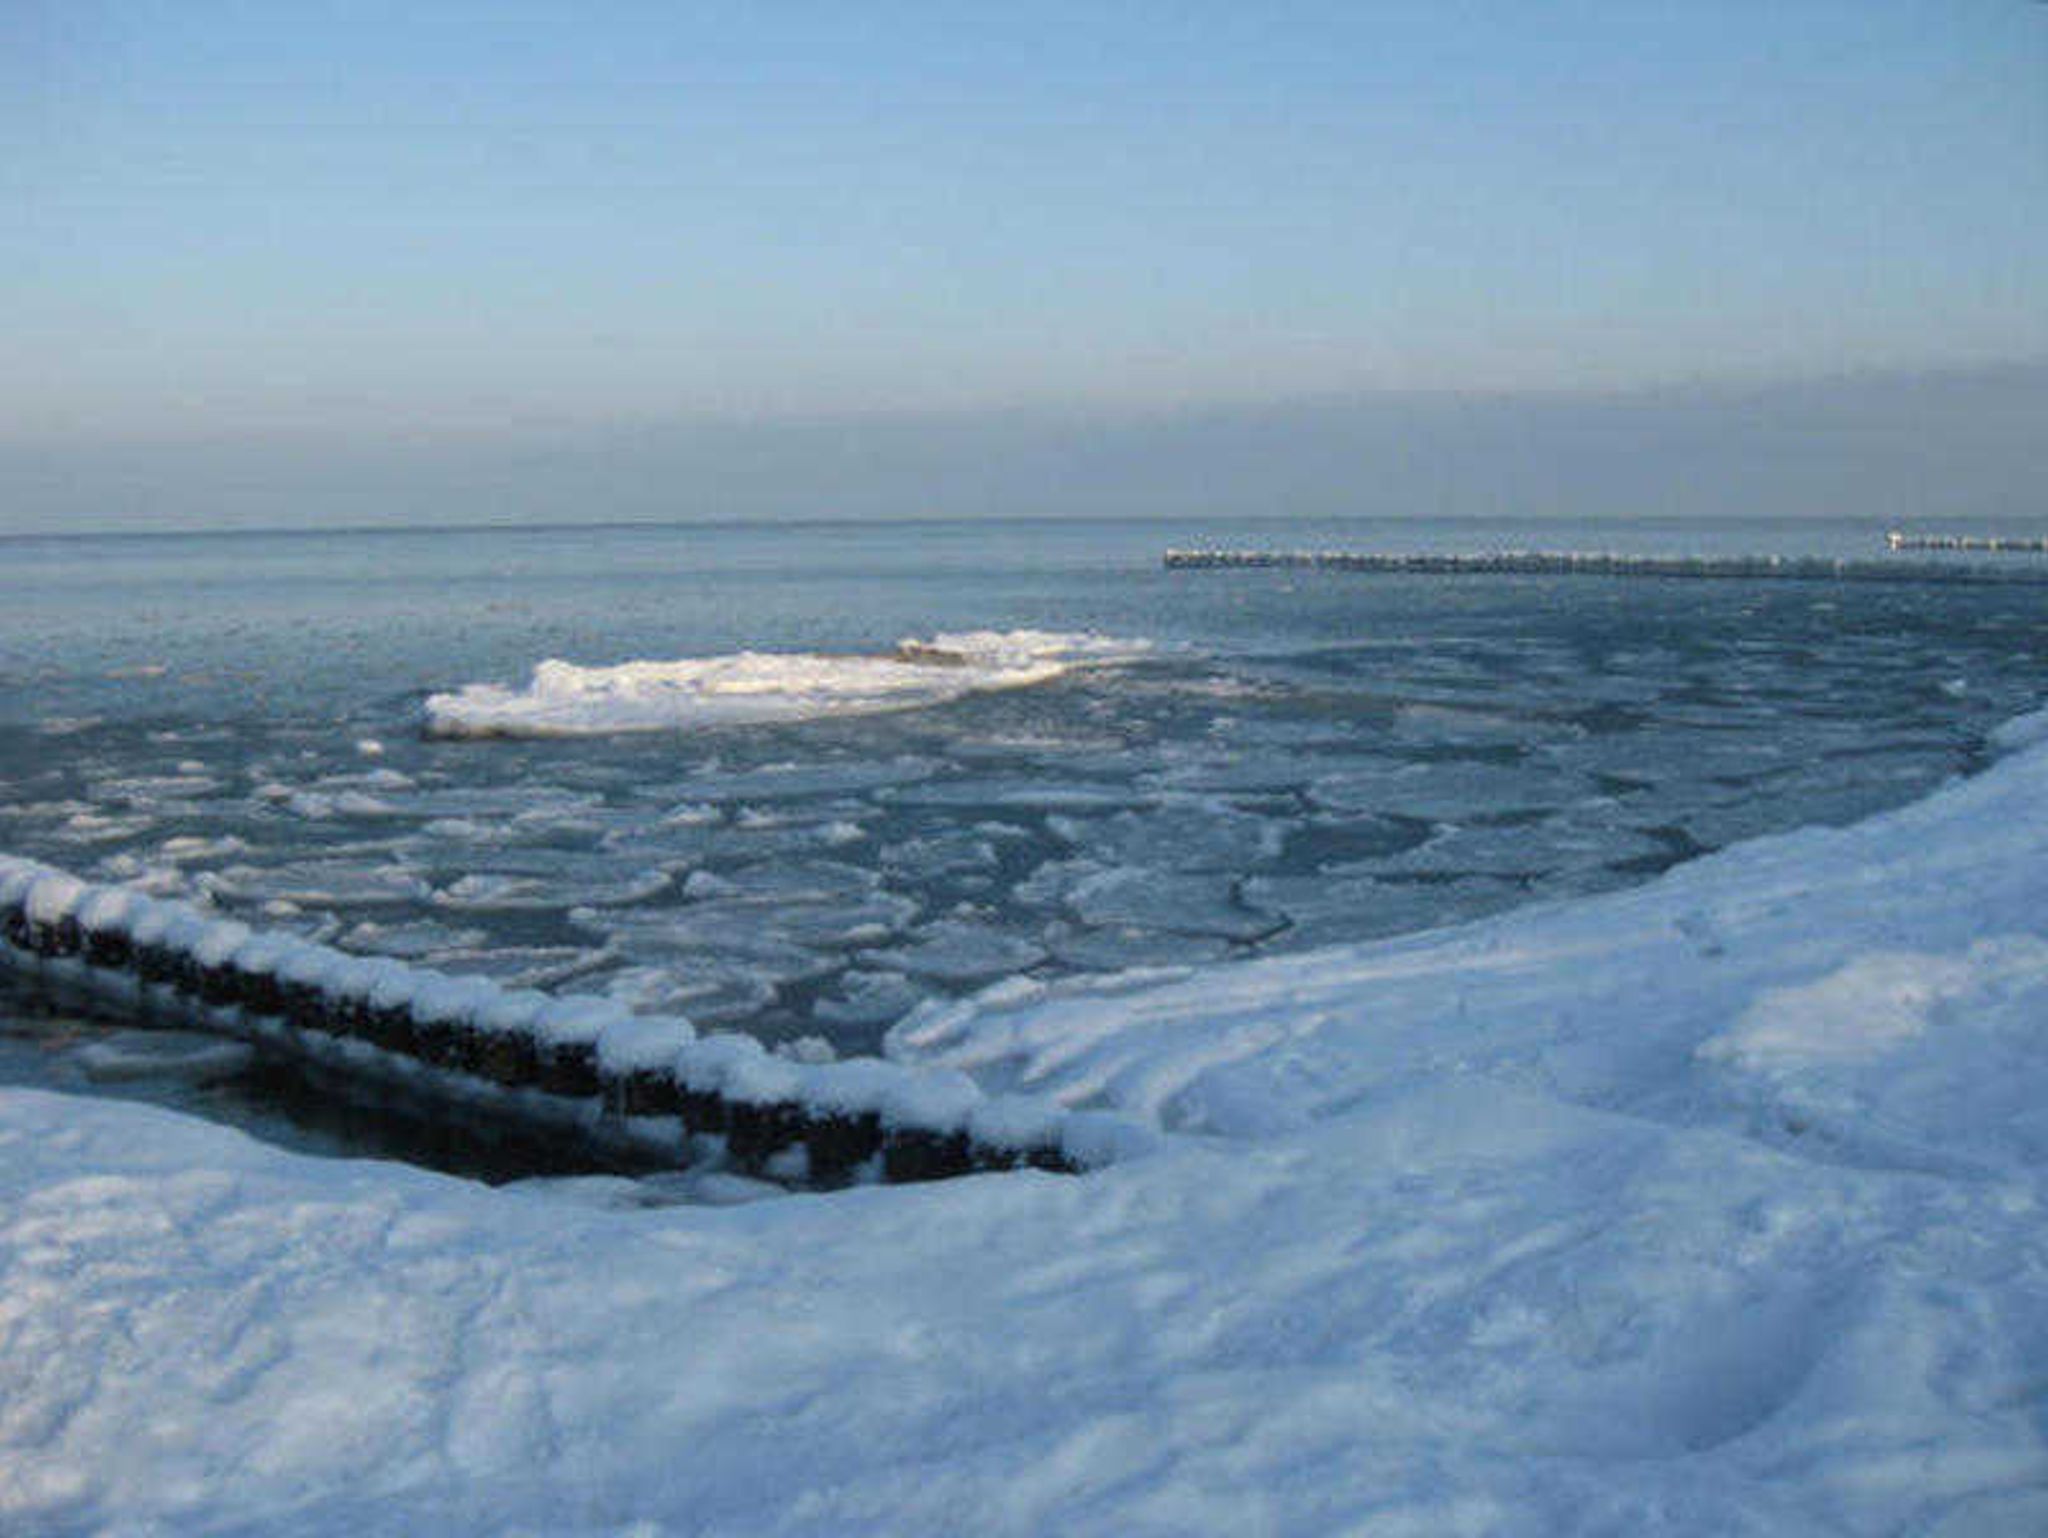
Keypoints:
pixel 239 220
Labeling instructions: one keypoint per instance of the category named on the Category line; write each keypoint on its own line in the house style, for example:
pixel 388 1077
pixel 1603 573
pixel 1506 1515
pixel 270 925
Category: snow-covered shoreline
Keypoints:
pixel 1714 1205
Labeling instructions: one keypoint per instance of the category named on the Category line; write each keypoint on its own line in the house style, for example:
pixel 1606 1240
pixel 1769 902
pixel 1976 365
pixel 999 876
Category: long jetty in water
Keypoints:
pixel 1558 563
pixel 1996 544
pixel 644 1088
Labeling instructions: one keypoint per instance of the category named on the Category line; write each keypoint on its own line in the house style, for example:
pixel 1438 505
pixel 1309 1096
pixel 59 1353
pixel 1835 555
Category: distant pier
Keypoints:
pixel 1898 539
pixel 1552 563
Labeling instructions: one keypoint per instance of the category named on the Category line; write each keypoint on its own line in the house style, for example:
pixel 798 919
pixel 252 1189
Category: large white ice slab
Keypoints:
pixel 565 700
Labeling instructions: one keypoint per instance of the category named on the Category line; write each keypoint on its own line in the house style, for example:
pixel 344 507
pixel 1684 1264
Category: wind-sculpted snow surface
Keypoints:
pixel 1714 1206
pixel 752 688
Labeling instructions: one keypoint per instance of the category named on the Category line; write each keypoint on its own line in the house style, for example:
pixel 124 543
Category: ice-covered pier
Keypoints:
pixel 1898 539
pixel 580 1068
pixel 1561 563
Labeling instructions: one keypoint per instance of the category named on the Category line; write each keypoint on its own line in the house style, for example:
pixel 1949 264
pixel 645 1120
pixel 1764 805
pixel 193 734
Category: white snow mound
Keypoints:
pixel 747 688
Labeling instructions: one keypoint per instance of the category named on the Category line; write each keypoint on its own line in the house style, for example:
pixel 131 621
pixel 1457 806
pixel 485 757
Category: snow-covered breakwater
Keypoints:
pixel 580 1067
pixel 1566 563
pixel 1899 539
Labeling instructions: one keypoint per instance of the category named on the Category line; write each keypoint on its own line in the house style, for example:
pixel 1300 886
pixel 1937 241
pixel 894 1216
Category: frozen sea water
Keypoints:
pixel 1709 1205
pixel 1102 765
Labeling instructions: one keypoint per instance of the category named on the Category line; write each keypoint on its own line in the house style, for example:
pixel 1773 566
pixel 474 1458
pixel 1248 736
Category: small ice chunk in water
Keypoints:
pixel 1334 910
pixel 319 806
pixel 1244 773
pixel 1120 948
pixel 708 991
pixel 181 1056
pixel 523 966
pixel 1206 835
pixel 1180 904
pixel 1050 885
pixel 746 928
pixel 319 884
pixel 503 892
pixel 869 999
pixel 1461 725
pixel 940 854
pixel 798 881
pixel 413 941
pixel 957 951
pixel 1021 793
pixel 1449 792
pixel 190 849
pixel 1523 850
pixel 869 920
pixel 775 782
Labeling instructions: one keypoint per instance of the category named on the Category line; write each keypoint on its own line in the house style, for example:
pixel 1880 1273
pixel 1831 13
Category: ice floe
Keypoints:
pixel 751 688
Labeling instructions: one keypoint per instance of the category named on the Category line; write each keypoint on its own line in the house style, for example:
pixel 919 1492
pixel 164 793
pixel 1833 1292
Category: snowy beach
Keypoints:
pixel 1713 1205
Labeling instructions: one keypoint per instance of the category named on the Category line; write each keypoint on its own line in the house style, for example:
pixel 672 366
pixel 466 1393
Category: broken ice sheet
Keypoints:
pixel 194 849
pixel 321 806
pixel 743 934
pixel 1199 835
pixel 799 881
pixel 146 792
pixel 319 884
pixel 937 855
pixel 868 999
pixel 180 1056
pixel 958 951
pixel 1137 898
pixel 1334 910
pixel 1250 773
pixel 493 803
pixel 739 922
pixel 1519 850
pixel 1019 793
pixel 744 840
pixel 409 941
pixel 793 781
pixel 1051 883
pixel 703 989
pixel 91 828
pixel 1449 791
pixel 856 921
pixel 524 966
pixel 1120 948
pixel 503 892
pixel 1469 725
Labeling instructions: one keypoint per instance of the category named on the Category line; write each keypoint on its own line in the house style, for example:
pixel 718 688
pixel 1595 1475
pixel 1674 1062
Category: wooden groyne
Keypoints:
pixel 575 1067
pixel 1553 563
pixel 1994 544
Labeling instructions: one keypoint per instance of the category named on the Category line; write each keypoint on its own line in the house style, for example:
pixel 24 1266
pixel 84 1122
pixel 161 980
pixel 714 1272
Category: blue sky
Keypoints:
pixel 364 219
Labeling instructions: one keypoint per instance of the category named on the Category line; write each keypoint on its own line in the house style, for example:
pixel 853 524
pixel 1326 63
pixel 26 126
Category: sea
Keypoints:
pixel 800 779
